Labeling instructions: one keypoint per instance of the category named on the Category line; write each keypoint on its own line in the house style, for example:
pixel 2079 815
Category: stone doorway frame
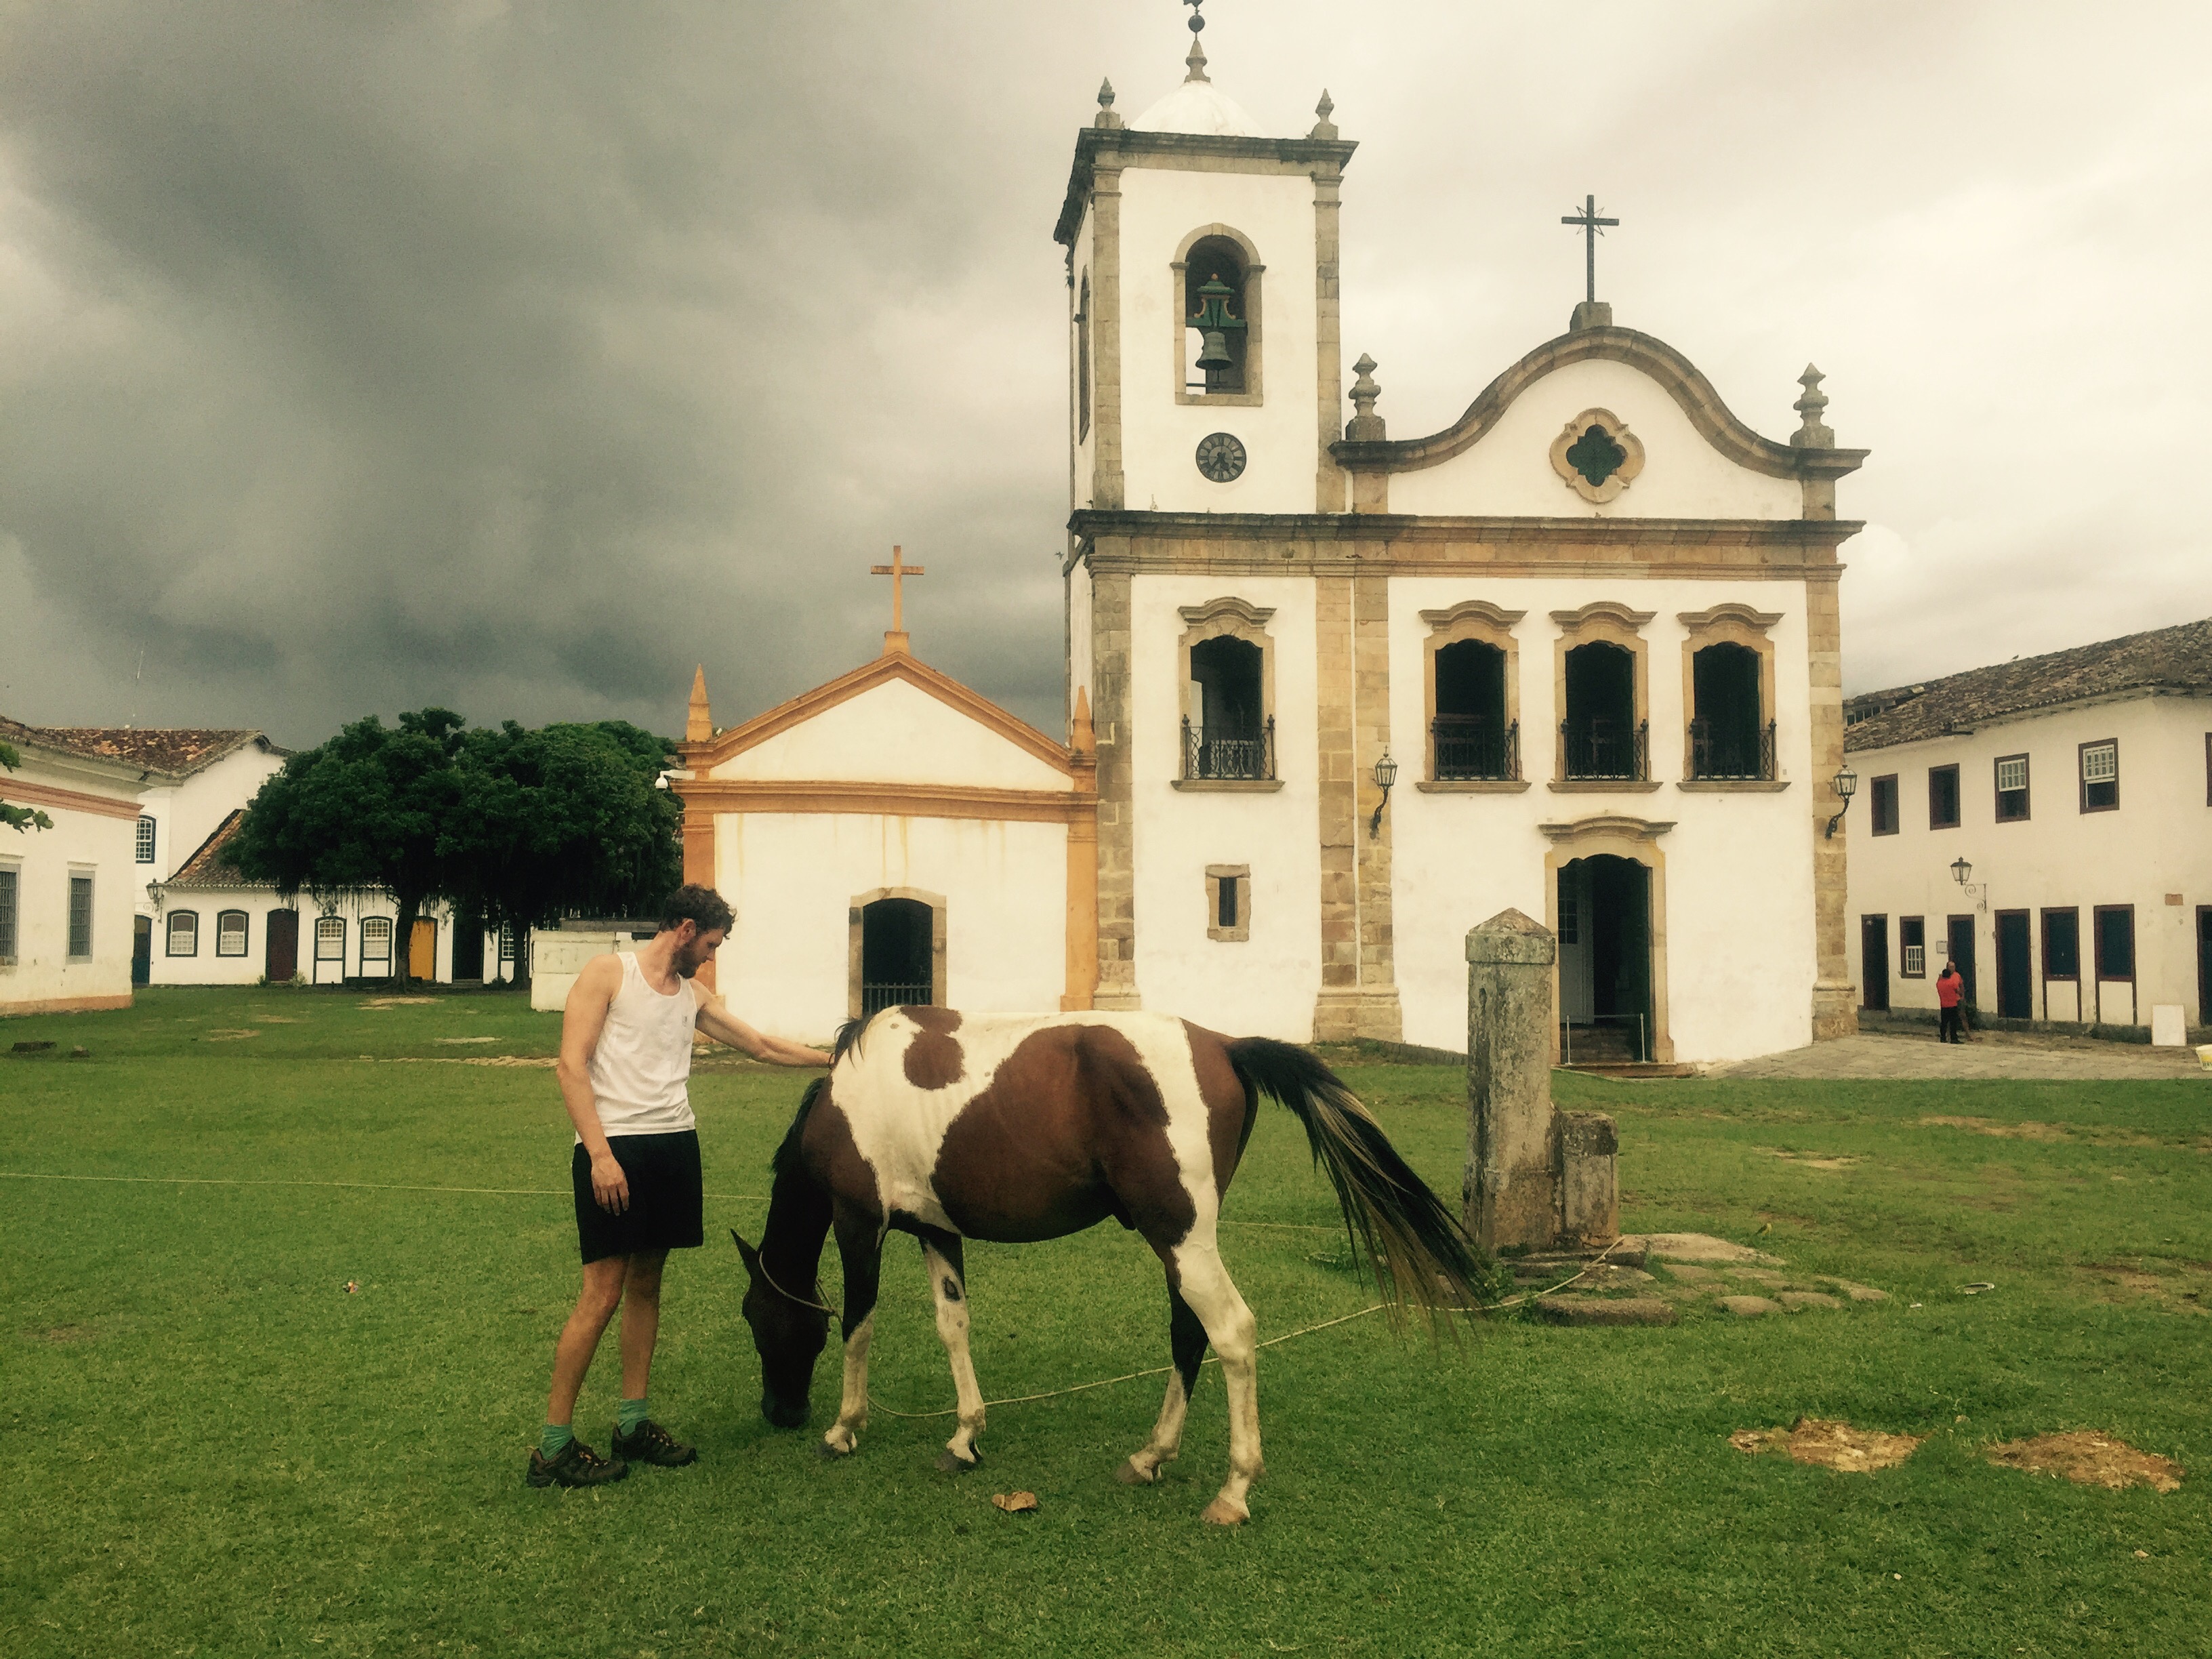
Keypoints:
pixel 852 931
pixel 1637 841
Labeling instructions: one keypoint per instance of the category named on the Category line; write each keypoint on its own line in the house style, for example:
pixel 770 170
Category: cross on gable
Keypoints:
pixel 898 570
pixel 1592 227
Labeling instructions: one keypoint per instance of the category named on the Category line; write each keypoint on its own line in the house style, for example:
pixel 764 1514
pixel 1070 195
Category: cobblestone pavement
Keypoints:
pixel 1991 1055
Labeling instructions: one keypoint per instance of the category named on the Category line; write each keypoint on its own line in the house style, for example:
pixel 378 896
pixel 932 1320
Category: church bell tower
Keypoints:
pixel 1202 285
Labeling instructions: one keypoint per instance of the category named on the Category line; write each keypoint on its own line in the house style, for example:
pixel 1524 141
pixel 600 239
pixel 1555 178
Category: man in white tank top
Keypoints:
pixel 626 1037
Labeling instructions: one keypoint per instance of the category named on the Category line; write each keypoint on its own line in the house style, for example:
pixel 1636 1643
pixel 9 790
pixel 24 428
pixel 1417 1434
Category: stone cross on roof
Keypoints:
pixel 1591 225
pixel 898 570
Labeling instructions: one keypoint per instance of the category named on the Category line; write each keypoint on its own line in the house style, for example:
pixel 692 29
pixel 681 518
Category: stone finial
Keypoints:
pixel 1366 424
pixel 699 725
pixel 1813 435
pixel 1106 116
pixel 1590 314
pixel 1196 59
pixel 1324 128
pixel 1082 736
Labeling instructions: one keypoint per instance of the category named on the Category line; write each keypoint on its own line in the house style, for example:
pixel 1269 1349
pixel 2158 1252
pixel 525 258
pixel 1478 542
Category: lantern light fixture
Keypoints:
pixel 1845 783
pixel 1385 774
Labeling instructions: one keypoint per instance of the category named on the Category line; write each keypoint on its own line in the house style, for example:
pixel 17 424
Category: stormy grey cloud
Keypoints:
pixel 516 356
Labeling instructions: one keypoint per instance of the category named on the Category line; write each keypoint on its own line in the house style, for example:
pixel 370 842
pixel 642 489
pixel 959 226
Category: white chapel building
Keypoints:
pixel 1335 698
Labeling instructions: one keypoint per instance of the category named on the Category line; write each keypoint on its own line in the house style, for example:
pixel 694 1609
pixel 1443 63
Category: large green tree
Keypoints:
pixel 366 811
pixel 566 820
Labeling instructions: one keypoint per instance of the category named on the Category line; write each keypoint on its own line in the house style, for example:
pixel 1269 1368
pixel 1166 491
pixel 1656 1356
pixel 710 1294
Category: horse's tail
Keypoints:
pixel 1421 1256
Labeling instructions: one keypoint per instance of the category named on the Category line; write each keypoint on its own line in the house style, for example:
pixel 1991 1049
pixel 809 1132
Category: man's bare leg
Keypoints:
pixel 641 1320
pixel 580 1338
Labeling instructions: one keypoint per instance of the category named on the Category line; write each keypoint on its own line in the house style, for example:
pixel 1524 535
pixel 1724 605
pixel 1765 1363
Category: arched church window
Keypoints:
pixel 1216 279
pixel 1083 360
pixel 1729 737
pixel 1603 736
pixel 1471 729
pixel 1728 691
pixel 1228 734
pixel 895 949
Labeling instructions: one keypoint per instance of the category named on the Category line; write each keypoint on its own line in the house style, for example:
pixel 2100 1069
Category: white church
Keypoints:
pixel 1334 697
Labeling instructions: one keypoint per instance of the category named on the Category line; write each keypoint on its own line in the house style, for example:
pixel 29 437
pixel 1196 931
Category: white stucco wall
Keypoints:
pixel 2158 843
pixel 1509 470
pixel 1739 867
pixel 792 878
pixel 1159 436
pixel 1264 986
pixel 81 842
pixel 187 812
pixel 894 733
pixel 203 966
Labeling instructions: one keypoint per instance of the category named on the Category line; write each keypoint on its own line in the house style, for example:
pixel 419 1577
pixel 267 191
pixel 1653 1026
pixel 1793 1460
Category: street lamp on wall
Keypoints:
pixel 1962 872
pixel 1845 783
pixel 1385 774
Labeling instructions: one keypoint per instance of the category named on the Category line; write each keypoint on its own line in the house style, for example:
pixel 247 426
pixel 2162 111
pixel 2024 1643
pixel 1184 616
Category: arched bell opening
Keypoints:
pixel 1217 317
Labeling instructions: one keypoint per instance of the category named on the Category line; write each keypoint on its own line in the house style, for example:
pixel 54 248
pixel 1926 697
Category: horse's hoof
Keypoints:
pixel 1130 1475
pixel 1223 1513
pixel 951 1462
pixel 829 1454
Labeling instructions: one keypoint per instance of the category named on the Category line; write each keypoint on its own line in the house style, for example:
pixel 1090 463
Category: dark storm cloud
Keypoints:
pixel 517 356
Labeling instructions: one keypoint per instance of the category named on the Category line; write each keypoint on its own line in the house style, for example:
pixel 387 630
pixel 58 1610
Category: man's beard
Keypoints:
pixel 687 961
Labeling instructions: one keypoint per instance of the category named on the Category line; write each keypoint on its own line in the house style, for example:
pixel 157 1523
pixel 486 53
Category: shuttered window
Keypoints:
pixel 8 878
pixel 184 933
pixel 230 933
pixel 80 919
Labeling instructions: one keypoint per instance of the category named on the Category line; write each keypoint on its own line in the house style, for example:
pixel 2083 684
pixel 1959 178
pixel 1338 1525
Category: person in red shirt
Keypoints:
pixel 1950 995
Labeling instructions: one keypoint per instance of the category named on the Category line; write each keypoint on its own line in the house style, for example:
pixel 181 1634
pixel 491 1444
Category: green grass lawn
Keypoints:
pixel 212 1449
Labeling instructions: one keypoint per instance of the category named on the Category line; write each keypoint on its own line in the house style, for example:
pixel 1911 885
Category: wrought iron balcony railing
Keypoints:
pixel 1605 749
pixel 1474 746
pixel 1732 753
pixel 1229 754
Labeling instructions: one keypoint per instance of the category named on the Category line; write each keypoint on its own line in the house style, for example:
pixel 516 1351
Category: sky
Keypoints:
pixel 515 357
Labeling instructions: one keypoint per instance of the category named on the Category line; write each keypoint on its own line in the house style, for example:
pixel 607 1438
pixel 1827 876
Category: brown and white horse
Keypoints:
pixel 1013 1128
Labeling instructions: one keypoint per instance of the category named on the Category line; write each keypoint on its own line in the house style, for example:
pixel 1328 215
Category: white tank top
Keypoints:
pixel 641 1069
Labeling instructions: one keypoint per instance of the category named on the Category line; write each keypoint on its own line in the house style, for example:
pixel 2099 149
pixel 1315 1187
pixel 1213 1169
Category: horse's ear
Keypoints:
pixel 751 1256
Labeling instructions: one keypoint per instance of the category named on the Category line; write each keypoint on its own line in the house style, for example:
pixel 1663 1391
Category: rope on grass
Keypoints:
pixel 1596 1261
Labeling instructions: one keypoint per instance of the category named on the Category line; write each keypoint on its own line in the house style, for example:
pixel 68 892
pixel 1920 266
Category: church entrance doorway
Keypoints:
pixel 899 948
pixel 2015 972
pixel 1605 960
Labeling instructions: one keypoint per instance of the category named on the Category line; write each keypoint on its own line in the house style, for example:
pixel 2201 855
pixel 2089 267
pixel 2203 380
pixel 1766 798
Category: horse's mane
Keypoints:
pixel 848 1039
pixel 786 1155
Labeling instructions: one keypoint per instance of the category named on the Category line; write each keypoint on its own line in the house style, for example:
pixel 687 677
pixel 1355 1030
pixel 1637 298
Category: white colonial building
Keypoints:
pixel 2046 824
pixel 66 891
pixel 1588 632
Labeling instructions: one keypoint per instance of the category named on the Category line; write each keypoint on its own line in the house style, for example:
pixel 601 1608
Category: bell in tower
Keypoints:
pixel 1215 323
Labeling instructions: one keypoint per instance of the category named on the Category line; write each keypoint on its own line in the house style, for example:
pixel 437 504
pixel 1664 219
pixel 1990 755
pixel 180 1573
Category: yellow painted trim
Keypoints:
pixel 896 800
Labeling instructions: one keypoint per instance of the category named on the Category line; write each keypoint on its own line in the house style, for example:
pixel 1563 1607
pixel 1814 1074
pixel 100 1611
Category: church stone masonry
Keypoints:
pixel 1597 494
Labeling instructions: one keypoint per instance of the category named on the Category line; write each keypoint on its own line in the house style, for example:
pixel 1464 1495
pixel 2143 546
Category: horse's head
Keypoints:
pixel 789 1334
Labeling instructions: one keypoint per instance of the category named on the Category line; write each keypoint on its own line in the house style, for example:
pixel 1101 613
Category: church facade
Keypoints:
pixel 1334 698
pixel 1576 654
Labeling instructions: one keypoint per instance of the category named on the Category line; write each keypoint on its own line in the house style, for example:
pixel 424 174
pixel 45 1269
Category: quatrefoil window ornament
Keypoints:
pixel 1596 456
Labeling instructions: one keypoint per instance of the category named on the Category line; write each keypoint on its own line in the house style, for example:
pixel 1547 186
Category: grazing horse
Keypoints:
pixel 1019 1128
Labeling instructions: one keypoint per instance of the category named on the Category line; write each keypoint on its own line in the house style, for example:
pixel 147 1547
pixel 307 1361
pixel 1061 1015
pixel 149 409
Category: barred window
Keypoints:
pixel 145 841
pixel 184 933
pixel 230 933
pixel 8 883
pixel 80 919
pixel 1912 936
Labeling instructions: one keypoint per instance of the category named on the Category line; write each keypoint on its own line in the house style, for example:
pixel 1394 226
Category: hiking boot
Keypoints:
pixel 653 1444
pixel 578 1465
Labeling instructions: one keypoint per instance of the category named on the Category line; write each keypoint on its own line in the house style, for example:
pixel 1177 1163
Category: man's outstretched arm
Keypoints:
pixel 716 1020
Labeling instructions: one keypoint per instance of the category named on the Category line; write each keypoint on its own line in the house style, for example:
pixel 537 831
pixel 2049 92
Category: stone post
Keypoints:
pixel 1511 1190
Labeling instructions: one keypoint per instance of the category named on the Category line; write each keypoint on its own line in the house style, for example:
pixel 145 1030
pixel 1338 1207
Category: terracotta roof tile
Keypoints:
pixel 2164 660
pixel 177 751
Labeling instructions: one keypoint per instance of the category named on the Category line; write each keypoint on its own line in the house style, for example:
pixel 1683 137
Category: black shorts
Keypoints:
pixel 667 1210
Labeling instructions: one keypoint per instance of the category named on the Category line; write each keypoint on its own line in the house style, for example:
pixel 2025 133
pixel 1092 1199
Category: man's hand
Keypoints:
pixel 610 1186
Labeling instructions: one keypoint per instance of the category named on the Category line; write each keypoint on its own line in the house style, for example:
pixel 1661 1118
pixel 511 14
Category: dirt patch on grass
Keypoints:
pixel 2096 1135
pixel 459 1040
pixel 65 1335
pixel 1813 1161
pixel 1830 1445
pixel 2184 1285
pixel 540 1062
pixel 2089 1459
pixel 398 1002
pixel 231 1036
